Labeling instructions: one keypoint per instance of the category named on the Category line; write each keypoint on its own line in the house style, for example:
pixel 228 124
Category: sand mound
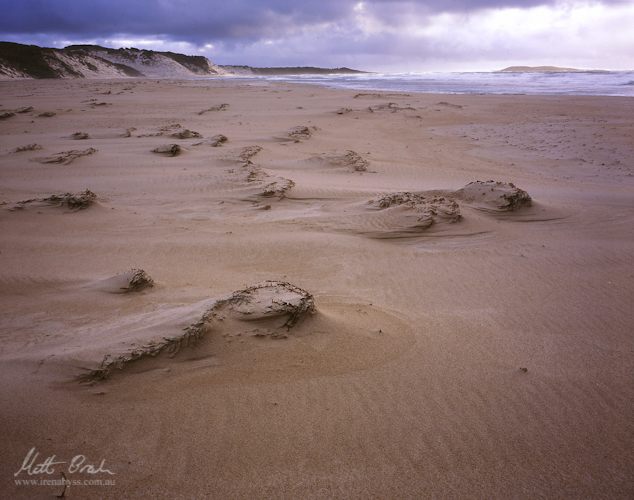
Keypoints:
pixel 5 115
pixel 249 152
pixel 170 126
pixel 25 109
pixel 214 142
pixel 219 107
pixel 253 182
pixel 266 302
pixel 300 132
pixel 378 95
pixel 79 136
pixel 349 159
pixel 168 150
pixel 66 157
pixel 449 105
pixel 186 134
pixel 133 280
pixel 428 209
pixel 28 147
pixel 47 114
pixel 277 188
pixel 343 111
pixel 494 195
pixel 392 107
pixel 397 215
pixel 73 201
pixel 272 186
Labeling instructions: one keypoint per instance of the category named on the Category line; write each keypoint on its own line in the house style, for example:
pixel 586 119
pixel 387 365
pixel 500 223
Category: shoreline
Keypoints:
pixel 386 83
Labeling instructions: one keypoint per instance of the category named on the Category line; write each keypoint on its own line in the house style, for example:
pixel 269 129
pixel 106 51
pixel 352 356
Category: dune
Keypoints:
pixel 429 300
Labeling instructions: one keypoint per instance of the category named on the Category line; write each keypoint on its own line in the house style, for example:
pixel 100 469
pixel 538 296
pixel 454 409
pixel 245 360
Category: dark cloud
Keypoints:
pixel 275 32
pixel 186 20
pixel 208 20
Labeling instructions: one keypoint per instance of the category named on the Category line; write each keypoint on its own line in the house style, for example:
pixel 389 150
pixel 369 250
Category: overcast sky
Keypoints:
pixel 379 35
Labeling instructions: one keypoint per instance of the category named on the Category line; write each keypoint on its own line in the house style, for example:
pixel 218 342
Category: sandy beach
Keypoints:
pixel 424 334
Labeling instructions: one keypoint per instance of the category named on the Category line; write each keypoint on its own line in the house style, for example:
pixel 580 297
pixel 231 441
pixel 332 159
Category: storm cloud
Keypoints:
pixel 390 34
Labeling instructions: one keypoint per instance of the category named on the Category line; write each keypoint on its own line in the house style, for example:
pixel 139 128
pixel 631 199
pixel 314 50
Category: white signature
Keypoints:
pixel 77 465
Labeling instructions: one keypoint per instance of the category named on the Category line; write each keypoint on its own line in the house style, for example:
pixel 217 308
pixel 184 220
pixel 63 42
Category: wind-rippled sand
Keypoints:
pixel 448 339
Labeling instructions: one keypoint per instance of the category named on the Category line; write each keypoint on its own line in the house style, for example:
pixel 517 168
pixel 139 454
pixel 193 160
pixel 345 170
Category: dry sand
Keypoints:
pixel 462 343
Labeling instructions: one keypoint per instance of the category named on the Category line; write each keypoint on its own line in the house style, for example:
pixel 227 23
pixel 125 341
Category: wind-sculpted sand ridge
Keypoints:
pixel 253 181
pixel 67 157
pixel 411 214
pixel 28 147
pixel 406 214
pixel 214 141
pixel 297 134
pixel 169 150
pixel 392 107
pixel 72 201
pixel 134 280
pixel 186 134
pixel 349 159
pixel 263 301
pixel 80 136
pixel 219 107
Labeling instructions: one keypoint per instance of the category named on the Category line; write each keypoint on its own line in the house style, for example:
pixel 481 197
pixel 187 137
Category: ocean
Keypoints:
pixel 612 83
